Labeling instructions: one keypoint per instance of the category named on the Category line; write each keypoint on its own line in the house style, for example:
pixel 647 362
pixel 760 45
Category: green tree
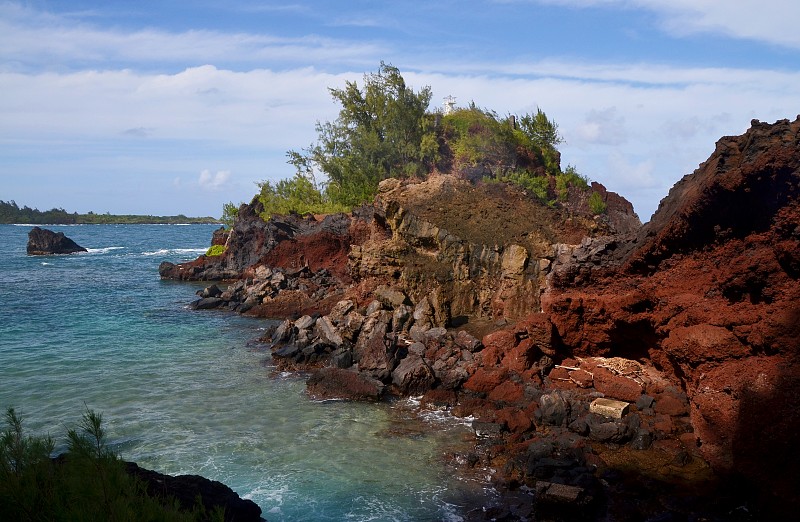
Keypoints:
pixel 596 203
pixel 229 213
pixel 543 134
pixel 383 130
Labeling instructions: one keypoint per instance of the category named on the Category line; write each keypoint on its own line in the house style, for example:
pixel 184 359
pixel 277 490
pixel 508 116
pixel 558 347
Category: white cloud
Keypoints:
pixel 604 127
pixel 630 173
pixel 771 21
pixel 216 181
pixel 34 38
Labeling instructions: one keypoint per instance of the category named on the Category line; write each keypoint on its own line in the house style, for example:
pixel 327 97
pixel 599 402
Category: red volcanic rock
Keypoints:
pixel 709 292
pixel 582 378
pixel 691 346
pixel 616 386
pixel 508 392
pixel 539 330
pixel 670 405
pixel 497 345
pixel 515 420
pixel 485 380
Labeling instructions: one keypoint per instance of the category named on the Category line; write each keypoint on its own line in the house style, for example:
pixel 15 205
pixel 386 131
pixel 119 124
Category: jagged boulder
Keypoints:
pixel 43 242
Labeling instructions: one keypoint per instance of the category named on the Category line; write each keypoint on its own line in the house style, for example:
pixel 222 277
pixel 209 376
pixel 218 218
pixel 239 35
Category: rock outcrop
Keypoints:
pixel 43 242
pixel 188 489
pixel 709 292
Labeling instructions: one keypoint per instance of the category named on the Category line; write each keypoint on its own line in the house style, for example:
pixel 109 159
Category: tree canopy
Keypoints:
pixel 384 129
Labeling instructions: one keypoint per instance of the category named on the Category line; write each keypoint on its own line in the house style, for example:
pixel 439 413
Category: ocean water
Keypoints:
pixel 185 391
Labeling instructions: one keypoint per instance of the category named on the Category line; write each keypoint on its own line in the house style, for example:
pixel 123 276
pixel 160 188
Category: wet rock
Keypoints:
pixel 288 351
pixel 207 303
pixel 338 383
pixel 283 332
pixel 210 291
pixel 486 430
pixel 43 242
pixel 413 376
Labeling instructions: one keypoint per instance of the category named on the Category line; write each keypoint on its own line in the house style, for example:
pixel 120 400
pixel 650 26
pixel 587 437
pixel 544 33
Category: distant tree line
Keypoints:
pixel 384 129
pixel 11 213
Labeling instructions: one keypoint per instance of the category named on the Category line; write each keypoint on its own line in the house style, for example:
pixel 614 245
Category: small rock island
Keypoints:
pixel 43 242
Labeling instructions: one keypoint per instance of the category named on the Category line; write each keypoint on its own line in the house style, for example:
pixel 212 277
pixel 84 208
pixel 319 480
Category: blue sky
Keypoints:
pixel 167 107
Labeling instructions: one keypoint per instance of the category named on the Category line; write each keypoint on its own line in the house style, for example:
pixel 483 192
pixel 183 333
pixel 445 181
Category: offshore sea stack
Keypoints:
pixel 44 242
pixel 708 291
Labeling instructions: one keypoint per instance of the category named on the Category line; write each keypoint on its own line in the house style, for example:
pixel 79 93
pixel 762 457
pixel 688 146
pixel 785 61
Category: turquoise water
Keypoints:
pixel 185 391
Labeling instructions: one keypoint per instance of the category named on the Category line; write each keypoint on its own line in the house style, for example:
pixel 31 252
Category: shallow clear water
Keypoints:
pixel 184 391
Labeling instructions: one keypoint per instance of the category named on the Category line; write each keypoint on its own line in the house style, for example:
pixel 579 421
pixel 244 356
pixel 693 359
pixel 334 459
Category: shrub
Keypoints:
pixel 299 194
pixel 215 250
pixel 596 203
pixel 569 178
pixel 88 483
pixel 538 185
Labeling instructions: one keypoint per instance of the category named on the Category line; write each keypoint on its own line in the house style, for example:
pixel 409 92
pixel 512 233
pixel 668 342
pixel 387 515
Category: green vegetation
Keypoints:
pixel 384 130
pixel 596 203
pixel 229 213
pixel 11 213
pixel 215 250
pixel 89 482
pixel 569 178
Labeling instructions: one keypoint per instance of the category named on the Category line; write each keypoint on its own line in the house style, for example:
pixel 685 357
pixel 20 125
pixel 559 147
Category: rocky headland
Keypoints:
pixel 615 371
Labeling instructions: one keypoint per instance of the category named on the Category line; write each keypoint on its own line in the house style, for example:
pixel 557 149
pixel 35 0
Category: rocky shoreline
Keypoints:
pixel 493 305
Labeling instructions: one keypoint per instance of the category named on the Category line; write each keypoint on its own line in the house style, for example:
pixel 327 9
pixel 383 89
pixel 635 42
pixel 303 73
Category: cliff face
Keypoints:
pixel 485 248
pixel 478 250
pixel 709 292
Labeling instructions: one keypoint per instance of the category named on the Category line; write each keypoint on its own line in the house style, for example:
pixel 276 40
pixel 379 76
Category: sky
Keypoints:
pixel 177 107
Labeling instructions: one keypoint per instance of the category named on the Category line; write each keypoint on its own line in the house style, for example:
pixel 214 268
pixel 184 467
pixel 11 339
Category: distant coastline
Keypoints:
pixel 12 214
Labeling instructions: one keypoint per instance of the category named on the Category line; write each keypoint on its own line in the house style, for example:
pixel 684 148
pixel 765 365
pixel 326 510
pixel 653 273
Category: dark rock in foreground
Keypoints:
pixel 187 488
pixel 43 242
